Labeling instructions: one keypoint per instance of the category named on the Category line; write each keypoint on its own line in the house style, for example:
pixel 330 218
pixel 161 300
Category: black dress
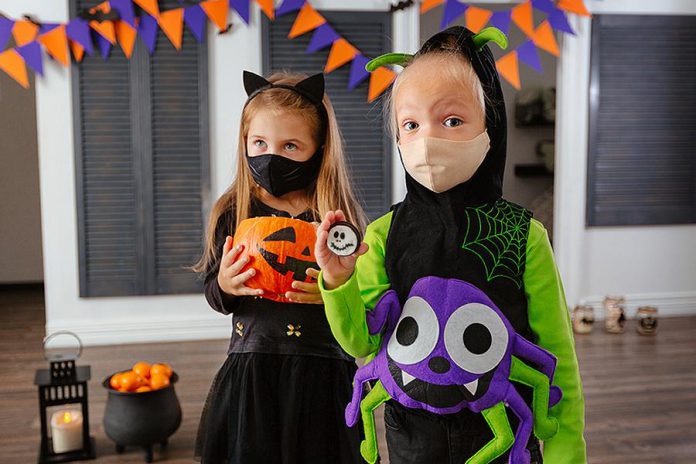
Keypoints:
pixel 281 394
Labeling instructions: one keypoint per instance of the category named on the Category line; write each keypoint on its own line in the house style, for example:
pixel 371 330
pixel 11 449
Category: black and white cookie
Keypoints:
pixel 344 239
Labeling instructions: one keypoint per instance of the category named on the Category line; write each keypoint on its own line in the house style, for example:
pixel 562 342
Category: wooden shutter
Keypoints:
pixel 368 147
pixel 142 160
pixel 642 161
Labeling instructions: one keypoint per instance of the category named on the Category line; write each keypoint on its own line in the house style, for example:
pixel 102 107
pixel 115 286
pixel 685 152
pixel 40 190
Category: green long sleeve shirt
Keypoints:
pixel 548 316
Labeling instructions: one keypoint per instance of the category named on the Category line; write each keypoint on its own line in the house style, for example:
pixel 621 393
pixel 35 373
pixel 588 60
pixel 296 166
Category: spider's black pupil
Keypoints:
pixel 343 235
pixel 407 331
pixel 477 338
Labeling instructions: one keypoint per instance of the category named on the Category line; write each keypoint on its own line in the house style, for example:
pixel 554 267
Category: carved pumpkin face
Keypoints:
pixel 280 250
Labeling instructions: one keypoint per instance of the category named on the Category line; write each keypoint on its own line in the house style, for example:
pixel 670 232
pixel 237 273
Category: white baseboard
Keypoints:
pixel 668 304
pixel 117 333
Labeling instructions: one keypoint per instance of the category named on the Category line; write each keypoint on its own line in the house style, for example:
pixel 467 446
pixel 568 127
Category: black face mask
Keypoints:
pixel 279 175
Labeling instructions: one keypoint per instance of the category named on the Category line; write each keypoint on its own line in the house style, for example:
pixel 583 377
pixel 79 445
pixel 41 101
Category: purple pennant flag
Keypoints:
pixel 358 73
pixel 47 27
pixel 103 44
pixel 289 6
pixel 323 36
pixel 453 10
pixel 147 30
pixel 546 6
pixel 242 7
pixel 528 54
pixel 77 30
pixel 125 10
pixel 6 26
pixel 559 21
pixel 195 19
pixel 501 20
pixel 31 53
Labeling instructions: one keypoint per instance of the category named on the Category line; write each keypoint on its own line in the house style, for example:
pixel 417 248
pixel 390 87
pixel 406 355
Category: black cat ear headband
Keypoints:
pixel 312 89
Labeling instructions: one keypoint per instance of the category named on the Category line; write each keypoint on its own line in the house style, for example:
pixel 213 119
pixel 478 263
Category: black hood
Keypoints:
pixel 486 185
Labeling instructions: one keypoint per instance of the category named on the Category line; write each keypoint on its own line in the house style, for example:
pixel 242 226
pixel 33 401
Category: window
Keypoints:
pixel 368 147
pixel 142 161
pixel 642 160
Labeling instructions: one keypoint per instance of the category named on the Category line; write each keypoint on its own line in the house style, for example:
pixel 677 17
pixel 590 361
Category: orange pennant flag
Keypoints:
pixel 24 32
pixel 217 11
pixel 78 50
pixel 307 20
pixel 105 29
pixel 477 18
pixel 172 24
pixel 150 6
pixel 341 53
pixel 522 16
pixel 380 80
pixel 574 6
pixel 545 38
pixel 13 64
pixel 56 43
pixel 508 67
pixel 427 5
pixel 126 37
pixel 267 7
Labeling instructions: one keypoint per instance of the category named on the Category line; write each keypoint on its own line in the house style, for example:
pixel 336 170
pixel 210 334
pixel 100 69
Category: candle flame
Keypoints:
pixel 67 418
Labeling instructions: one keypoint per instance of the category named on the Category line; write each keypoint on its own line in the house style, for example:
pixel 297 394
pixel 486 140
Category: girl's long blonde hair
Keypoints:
pixel 331 191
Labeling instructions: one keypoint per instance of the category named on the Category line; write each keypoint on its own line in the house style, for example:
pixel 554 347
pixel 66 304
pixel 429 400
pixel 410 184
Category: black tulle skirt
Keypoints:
pixel 284 409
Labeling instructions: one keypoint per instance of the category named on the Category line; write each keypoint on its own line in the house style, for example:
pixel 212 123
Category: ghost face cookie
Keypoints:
pixel 344 239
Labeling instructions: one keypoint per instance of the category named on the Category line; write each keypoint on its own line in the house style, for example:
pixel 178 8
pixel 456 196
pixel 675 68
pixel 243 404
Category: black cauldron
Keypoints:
pixel 141 419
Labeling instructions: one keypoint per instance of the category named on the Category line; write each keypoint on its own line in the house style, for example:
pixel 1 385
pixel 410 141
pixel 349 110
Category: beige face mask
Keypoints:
pixel 440 164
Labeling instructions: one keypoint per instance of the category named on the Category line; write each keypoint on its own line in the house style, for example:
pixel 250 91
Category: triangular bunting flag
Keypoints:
pixel 242 8
pixel 217 11
pixel 527 53
pixel 147 30
pixel 150 6
pixel 14 66
pixel 427 5
pixel 477 18
pixel 77 30
pixel 453 10
pixel 380 80
pixel 559 22
pixel 307 20
pixel 341 53
pixel 126 37
pixel 24 32
pixel 501 20
pixel 574 6
pixel 546 6
pixel 358 73
pixel 78 50
pixel 508 67
pixel 545 39
pixel 6 26
pixel 31 53
pixel 172 24
pixel 105 29
pixel 289 6
pixel 47 27
pixel 195 19
pixel 56 43
pixel 103 44
pixel 323 36
pixel 125 10
pixel 268 8
pixel 522 16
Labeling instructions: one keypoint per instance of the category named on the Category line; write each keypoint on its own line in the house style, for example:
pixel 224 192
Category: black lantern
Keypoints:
pixel 62 388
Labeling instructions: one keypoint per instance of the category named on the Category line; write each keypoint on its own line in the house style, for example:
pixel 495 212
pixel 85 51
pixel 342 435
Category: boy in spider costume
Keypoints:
pixel 454 224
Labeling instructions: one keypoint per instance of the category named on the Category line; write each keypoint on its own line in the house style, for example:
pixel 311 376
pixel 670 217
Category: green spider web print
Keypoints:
pixel 497 234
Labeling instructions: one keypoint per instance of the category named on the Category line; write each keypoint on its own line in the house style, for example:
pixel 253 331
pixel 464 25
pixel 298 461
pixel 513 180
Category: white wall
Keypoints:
pixel 649 264
pixel 152 318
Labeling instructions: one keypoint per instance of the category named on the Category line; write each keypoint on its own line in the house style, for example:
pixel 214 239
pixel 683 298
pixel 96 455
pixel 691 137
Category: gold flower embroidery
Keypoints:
pixel 292 330
pixel 239 329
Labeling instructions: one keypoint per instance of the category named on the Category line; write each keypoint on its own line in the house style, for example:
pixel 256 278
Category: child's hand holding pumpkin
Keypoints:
pixel 229 277
pixel 336 269
pixel 308 292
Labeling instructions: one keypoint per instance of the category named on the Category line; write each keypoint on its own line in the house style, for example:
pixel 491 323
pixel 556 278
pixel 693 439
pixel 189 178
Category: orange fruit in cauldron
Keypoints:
pixel 129 381
pixel 142 369
pixel 280 250
pixel 161 368
pixel 158 381
pixel 115 381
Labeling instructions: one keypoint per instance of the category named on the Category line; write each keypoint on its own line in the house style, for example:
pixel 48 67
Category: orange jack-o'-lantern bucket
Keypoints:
pixel 280 250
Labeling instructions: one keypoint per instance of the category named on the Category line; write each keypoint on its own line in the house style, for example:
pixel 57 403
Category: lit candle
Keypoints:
pixel 66 430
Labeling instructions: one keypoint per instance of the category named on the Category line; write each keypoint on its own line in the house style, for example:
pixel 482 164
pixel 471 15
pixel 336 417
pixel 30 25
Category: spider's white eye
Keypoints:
pixel 416 333
pixel 476 338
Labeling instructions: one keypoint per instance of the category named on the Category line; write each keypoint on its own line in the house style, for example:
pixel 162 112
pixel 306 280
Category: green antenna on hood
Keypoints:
pixel 490 34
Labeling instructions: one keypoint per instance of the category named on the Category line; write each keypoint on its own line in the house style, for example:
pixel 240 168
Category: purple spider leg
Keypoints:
pixel 519 453
pixel 543 360
pixel 385 313
pixel 362 375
